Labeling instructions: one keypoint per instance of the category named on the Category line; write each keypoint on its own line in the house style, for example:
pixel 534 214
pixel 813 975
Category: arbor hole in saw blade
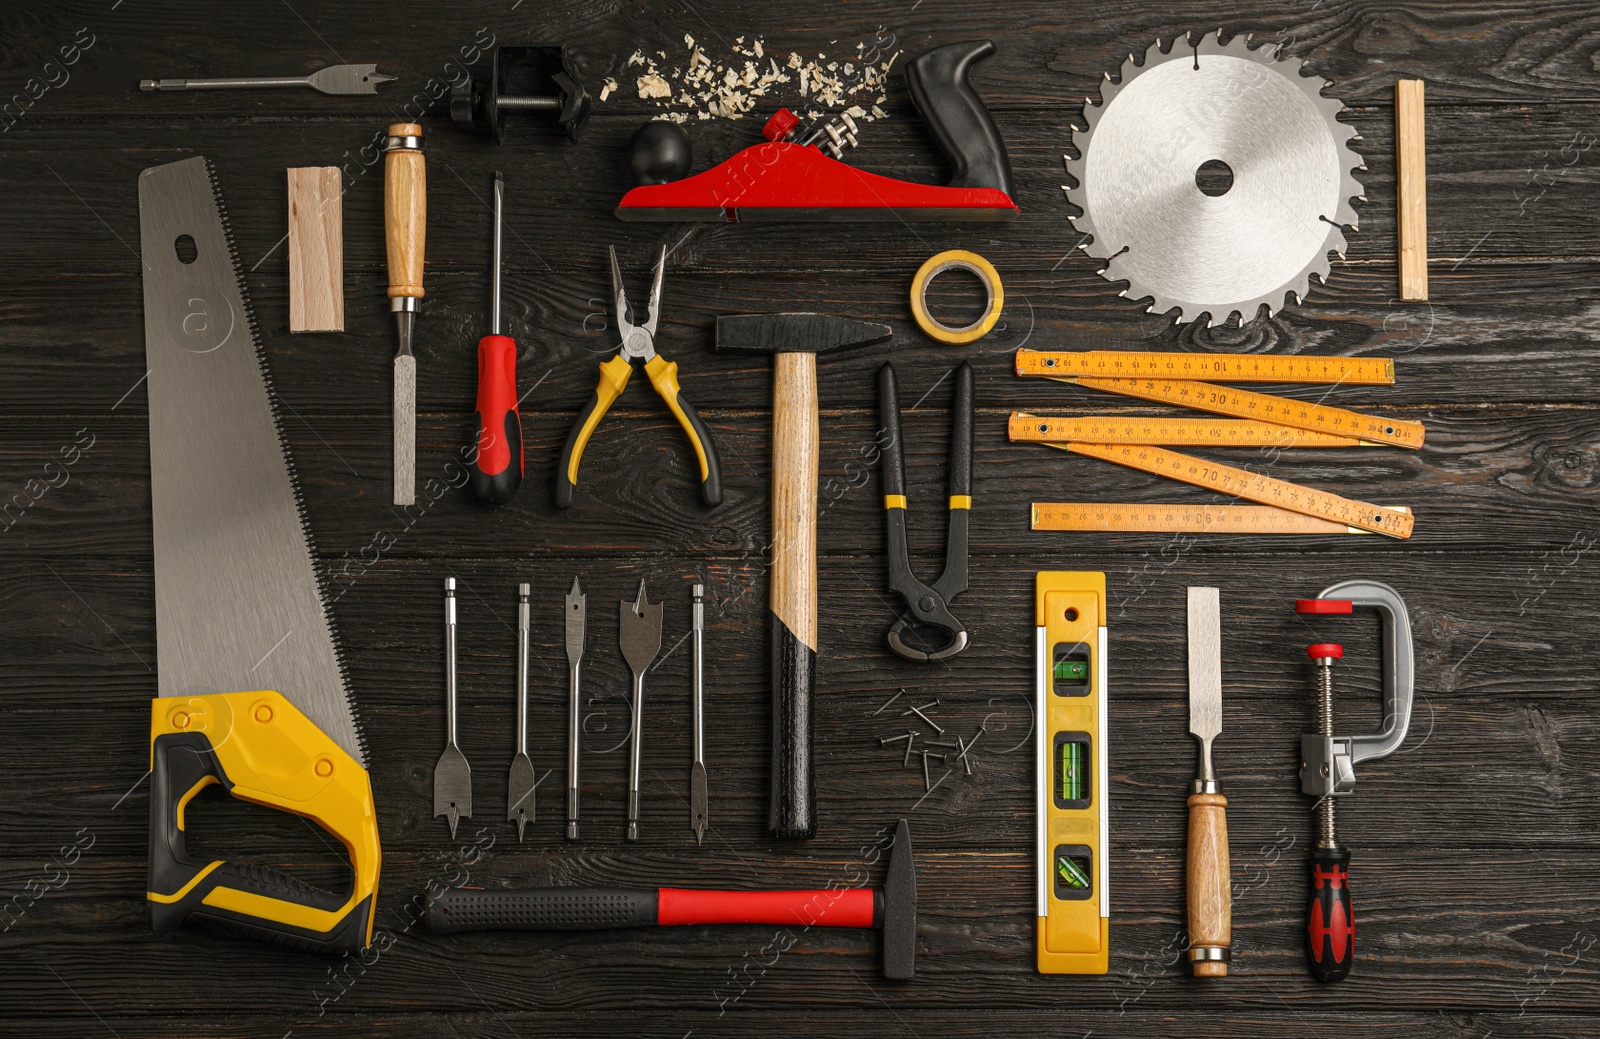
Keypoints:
pixel 1214 178
pixel 184 246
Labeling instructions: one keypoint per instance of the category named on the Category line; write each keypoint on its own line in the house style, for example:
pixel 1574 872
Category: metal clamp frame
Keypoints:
pixel 1329 761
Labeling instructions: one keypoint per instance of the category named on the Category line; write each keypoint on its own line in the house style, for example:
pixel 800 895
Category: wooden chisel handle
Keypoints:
pixel 795 447
pixel 1210 897
pixel 405 209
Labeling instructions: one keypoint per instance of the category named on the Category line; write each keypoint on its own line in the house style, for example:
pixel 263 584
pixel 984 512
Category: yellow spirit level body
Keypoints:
pixel 1073 885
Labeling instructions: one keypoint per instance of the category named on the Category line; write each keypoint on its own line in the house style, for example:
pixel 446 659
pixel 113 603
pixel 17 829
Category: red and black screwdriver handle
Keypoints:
pixel 496 469
pixel 956 117
pixel 604 909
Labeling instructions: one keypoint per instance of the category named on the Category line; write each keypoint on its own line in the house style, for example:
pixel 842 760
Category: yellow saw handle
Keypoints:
pixel 261 749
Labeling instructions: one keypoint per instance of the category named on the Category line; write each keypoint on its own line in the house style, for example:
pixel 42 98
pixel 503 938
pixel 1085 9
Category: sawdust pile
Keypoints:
pixel 701 88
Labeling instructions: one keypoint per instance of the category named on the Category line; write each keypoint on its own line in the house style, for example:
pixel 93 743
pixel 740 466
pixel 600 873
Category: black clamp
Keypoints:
pixel 538 78
pixel 928 605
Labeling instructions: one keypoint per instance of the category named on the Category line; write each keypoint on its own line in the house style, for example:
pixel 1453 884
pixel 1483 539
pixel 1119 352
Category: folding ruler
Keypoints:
pixel 1249 419
pixel 1073 894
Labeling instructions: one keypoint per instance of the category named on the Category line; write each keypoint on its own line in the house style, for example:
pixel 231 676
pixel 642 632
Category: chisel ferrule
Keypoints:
pixel 403 142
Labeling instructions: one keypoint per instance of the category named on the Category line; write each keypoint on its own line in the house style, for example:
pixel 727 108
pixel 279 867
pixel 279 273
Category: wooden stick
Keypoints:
pixel 316 250
pixel 1411 149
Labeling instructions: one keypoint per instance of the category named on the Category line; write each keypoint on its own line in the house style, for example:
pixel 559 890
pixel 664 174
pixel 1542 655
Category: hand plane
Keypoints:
pixel 797 174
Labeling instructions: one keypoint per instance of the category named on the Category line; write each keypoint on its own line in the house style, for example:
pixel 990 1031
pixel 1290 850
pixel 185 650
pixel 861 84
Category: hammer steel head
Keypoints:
pixel 796 333
pixel 900 909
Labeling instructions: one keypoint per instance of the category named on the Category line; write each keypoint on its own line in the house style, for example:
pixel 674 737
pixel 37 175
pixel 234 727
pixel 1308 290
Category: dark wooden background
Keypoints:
pixel 1474 848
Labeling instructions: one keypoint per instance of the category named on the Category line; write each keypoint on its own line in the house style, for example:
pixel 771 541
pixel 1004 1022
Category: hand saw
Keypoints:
pixel 252 692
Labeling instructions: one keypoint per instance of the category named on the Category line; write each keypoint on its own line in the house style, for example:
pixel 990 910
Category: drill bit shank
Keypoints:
pixel 639 633
pixel 521 784
pixel 697 768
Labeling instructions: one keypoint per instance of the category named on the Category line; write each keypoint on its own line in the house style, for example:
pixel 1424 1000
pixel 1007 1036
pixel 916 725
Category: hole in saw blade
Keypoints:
pixel 184 246
pixel 1214 178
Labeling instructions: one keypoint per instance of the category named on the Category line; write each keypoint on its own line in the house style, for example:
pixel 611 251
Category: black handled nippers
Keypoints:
pixel 928 605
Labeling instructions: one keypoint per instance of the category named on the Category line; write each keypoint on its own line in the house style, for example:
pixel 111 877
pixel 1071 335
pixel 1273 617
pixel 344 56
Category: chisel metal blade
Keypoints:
pixel 1205 664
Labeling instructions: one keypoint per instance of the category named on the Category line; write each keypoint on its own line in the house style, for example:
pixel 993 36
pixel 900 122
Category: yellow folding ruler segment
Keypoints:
pixel 1124 364
pixel 1238 483
pixel 1072 886
pixel 1264 407
pixel 1183 519
pixel 1178 432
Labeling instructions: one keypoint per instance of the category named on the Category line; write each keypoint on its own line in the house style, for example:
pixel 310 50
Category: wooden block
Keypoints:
pixel 1411 149
pixel 316 250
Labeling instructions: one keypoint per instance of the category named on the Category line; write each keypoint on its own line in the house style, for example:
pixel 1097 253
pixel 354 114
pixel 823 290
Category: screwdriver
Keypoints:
pixel 494 479
pixel 405 232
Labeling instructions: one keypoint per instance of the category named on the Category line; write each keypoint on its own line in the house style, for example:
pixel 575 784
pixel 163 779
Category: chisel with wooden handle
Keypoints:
pixel 1210 899
pixel 405 232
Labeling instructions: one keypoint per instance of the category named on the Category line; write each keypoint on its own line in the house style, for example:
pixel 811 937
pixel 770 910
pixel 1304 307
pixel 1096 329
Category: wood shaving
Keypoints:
pixel 729 89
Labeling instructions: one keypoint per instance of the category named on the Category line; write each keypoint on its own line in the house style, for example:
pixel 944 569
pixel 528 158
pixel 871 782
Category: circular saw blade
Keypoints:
pixel 1253 244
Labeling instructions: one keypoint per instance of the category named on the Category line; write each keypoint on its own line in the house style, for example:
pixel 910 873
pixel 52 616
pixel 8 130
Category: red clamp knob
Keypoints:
pixel 780 125
pixel 1325 650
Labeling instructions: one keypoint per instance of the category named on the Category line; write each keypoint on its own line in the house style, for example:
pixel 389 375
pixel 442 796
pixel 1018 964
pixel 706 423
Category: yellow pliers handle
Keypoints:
pixel 614 375
pixel 663 375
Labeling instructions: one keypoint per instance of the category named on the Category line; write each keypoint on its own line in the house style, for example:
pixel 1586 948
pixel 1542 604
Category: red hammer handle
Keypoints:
pixel 850 907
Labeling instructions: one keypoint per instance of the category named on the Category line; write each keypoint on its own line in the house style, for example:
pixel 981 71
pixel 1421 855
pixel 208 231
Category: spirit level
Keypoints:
pixel 1073 896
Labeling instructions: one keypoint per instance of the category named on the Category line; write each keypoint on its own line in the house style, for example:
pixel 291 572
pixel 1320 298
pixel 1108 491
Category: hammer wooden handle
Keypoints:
pixel 1210 900
pixel 405 210
pixel 795 447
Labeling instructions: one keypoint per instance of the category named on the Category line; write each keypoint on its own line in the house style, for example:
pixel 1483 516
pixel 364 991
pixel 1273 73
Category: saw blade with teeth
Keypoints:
pixel 1193 105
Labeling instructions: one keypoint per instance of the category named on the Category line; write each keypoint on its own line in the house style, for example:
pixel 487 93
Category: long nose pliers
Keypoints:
pixel 928 605
pixel 638 344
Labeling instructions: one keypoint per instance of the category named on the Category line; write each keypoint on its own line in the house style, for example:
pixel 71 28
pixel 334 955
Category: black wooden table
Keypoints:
pixel 1473 873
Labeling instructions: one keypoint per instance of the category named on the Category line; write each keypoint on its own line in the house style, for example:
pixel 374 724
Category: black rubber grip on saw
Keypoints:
pixel 541 909
pixel 793 811
pixel 956 117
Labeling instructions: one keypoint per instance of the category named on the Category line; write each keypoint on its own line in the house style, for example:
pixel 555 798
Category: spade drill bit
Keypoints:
pixel 452 777
pixel 697 768
pixel 335 79
pixel 577 607
pixel 519 790
pixel 639 634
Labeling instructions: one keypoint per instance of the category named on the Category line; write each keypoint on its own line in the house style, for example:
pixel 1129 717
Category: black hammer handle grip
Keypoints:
pixel 956 117
pixel 541 909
